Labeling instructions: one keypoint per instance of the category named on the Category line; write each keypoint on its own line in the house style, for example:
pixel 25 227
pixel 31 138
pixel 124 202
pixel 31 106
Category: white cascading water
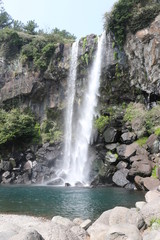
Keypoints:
pixel 69 110
pixel 76 165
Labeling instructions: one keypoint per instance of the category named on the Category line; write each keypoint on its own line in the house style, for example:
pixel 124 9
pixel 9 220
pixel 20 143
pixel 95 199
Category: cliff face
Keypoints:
pixel 128 75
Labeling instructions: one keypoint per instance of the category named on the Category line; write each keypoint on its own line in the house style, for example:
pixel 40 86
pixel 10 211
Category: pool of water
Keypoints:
pixel 67 202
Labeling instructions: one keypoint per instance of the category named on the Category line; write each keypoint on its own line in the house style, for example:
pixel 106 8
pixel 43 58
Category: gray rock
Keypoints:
pixel 110 135
pixel 123 232
pixel 111 157
pixel 119 178
pixel 141 168
pixel 153 143
pixel 151 211
pixel 126 151
pixel 85 224
pixel 153 234
pixel 56 182
pixel 128 137
pixel 63 221
pixel 6 174
pixel 121 165
pixel 98 231
pixel 30 235
pixel 152 196
pixel 140 204
pixel 112 146
pixel 147 183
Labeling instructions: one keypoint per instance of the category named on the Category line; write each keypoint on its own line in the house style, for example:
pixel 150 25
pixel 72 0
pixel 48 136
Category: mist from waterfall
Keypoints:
pixel 76 165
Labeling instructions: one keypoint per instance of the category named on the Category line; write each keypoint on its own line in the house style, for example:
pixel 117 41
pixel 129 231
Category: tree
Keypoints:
pixel 5 19
pixel 18 25
pixel 30 27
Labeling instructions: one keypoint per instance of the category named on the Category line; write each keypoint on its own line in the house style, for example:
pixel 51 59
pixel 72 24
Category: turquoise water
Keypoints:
pixel 68 202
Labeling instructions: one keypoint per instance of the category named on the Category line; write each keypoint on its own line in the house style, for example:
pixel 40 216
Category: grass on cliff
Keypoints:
pixel 130 15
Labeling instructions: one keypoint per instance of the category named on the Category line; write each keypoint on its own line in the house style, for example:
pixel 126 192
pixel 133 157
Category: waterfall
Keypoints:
pixel 69 110
pixel 76 164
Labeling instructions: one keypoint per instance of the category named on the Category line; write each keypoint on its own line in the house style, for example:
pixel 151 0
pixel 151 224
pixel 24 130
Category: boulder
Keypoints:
pixel 78 221
pixel 153 144
pixel 148 183
pixel 128 137
pixel 120 177
pixel 140 204
pixel 110 135
pixel 30 235
pixel 98 231
pixel 111 147
pixel 152 195
pixel 111 157
pixel 139 158
pixel 123 232
pixel 62 221
pixel 126 151
pixel 56 182
pixel 121 165
pixel 85 224
pixel 141 168
pixel 30 156
pixel 153 234
pixel 151 211
pixel 27 166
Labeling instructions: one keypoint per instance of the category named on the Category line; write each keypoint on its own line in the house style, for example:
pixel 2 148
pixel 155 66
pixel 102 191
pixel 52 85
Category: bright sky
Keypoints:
pixel 79 17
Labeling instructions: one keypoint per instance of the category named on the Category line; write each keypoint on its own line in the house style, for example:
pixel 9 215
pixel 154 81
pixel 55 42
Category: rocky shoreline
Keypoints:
pixel 139 223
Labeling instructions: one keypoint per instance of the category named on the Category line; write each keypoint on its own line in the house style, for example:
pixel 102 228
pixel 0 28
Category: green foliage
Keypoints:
pixel 50 131
pixel 150 119
pixel 154 172
pixel 16 125
pixel 115 55
pixel 12 42
pixel 84 43
pixel 157 131
pixel 142 141
pixel 63 34
pixel 5 18
pixel 155 220
pixel 133 14
pixel 101 122
pixel 17 25
pixel 30 27
pixel 143 18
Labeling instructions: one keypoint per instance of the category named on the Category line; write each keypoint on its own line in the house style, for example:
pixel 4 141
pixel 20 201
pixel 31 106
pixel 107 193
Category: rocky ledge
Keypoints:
pixel 139 223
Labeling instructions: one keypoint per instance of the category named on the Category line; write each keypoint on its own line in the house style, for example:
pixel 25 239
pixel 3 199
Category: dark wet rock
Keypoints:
pixel 110 135
pixel 120 177
pixel 79 184
pixel 30 156
pixel 153 144
pixel 56 182
pixel 67 184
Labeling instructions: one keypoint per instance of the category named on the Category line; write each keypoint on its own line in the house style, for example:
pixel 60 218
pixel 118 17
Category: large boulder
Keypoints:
pixel 123 232
pixel 152 195
pixel 148 183
pixel 153 144
pixel 151 211
pixel 141 168
pixel 128 137
pixel 30 235
pixel 126 151
pixel 153 234
pixel 110 135
pixel 63 221
pixel 120 177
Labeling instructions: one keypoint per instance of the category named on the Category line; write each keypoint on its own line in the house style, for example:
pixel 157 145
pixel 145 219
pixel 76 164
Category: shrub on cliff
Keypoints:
pixel 17 126
pixel 130 15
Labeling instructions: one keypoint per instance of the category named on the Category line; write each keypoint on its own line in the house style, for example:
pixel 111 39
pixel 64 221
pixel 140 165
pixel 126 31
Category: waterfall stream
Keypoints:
pixel 76 165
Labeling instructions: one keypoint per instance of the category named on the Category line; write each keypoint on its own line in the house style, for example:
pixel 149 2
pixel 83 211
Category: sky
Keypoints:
pixel 79 17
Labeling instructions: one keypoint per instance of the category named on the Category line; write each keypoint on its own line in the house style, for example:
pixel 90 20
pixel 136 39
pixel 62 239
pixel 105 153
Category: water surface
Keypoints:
pixel 67 202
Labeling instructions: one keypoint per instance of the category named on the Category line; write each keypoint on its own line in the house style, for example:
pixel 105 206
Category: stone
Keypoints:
pixel 77 221
pixel 138 158
pixel 30 235
pixel 110 157
pixel 27 166
pixel 123 232
pixel 79 231
pixel 141 168
pixel 6 174
pixel 112 146
pixel 140 204
pixel 128 137
pixel 121 165
pixel 56 182
pixel 148 183
pixel 110 135
pixel 86 224
pixel 62 221
pixel 98 231
pixel 153 144
pixel 151 211
pixel 152 195
pixel 120 177
pixel 126 151
pixel 153 234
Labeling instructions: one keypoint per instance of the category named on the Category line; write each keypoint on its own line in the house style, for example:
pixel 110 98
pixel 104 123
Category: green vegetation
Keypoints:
pixel 149 119
pixel 17 126
pixel 50 131
pixel 154 172
pixel 101 122
pixel 155 220
pixel 133 15
pixel 142 141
